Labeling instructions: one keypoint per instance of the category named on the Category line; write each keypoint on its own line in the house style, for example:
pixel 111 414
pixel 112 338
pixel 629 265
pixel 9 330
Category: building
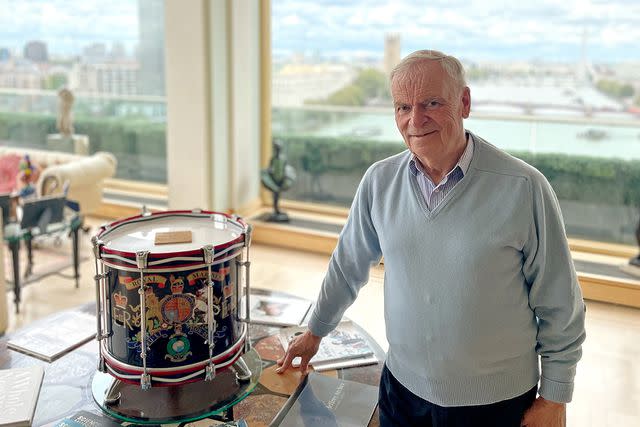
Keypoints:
pixel 391 51
pixel 151 48
pixel 295 84
pixel 95 52
pixel 119 78
pixel 20 74
pixel 5 54
pixel 36 51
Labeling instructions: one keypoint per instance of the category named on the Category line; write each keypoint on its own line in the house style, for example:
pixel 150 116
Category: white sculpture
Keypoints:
pixel 64 123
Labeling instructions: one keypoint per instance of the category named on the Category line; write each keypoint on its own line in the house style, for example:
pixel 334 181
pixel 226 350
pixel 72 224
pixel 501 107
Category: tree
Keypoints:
pixel 615 88
pixel 374 83
pixel 55 81
pixel 350 95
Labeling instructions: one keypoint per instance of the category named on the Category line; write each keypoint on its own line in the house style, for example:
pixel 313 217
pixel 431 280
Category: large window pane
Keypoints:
pixel 110 54
pixel 552 83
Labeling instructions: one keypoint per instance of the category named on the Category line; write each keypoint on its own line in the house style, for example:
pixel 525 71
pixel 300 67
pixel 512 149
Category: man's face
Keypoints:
pixel 429 109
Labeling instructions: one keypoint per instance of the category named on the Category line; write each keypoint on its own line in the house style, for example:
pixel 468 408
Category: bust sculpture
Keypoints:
pixel 64 122
pixel 65 139
pixel 277 178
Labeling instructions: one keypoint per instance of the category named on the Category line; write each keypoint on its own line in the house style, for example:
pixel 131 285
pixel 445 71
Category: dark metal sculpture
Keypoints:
pixel 277 178
pixel 636 259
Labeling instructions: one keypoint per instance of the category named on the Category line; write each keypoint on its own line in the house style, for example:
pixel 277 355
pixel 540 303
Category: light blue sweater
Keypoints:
pixel 474 291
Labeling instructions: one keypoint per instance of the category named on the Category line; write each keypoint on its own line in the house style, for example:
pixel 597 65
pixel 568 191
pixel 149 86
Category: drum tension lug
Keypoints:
pixel 210 372
pixel 242 371
pixel 112 400
pixel 101 276
pixel 145 381
pixel 101 365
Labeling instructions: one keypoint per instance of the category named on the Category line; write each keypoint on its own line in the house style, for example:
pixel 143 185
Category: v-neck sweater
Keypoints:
pixel 476 291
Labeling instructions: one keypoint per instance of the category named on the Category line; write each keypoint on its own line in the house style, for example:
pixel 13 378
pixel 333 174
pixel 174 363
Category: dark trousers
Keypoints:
pixel 399 407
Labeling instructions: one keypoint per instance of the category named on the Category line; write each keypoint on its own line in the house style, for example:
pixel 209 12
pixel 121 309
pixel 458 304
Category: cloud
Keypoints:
pixel 499 29
pixel 493 28
pixel 67 26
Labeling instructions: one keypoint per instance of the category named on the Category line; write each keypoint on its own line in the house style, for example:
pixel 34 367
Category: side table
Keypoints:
pixel 72 225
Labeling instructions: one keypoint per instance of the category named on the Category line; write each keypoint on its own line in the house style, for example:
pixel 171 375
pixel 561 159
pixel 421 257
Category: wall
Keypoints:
pixel 213 103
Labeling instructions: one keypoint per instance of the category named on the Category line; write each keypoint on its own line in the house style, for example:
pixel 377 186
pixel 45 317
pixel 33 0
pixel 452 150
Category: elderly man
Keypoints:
pixel 479 282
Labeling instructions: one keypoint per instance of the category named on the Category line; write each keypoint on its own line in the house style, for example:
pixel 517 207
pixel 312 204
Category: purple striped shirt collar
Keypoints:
pixel 463 162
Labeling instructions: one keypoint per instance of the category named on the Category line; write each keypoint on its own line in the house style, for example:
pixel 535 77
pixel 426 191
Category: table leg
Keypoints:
pixel 229 413
pixel 29 269
pixel 74 238
pixel 14 246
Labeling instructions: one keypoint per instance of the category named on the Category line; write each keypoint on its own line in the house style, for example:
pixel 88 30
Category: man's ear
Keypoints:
pixel 466 102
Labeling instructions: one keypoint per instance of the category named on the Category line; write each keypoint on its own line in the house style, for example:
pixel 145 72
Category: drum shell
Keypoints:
pixel 177 309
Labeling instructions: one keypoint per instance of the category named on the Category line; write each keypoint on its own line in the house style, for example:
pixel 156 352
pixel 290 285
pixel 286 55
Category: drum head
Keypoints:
pixel 140 233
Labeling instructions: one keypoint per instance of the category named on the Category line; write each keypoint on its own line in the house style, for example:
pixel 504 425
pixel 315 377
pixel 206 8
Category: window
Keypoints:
pixel 555 83
pixel 110 54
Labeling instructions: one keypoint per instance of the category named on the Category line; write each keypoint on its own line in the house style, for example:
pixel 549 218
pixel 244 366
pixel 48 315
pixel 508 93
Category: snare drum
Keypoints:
pixel 168 312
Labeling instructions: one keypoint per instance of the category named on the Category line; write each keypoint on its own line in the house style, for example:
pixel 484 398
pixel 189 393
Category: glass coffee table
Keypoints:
pixel 69 387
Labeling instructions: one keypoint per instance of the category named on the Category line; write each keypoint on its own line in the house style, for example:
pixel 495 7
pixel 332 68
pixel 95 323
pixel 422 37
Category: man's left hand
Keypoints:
pixel 545 413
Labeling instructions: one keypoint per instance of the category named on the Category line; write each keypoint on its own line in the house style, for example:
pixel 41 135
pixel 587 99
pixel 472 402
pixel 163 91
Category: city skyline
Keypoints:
pixel 540 30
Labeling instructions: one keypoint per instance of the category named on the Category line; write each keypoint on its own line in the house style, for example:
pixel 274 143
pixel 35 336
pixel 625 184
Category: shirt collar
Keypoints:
pixel 463 162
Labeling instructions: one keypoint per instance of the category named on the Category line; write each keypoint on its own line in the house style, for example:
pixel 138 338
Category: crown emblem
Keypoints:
pixel 177 284
pixel 120 300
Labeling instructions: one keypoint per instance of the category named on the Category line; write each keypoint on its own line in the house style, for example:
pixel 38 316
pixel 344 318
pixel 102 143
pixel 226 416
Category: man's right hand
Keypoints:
pixel 304 346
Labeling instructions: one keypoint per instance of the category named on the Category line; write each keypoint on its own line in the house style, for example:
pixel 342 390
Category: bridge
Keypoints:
pixel 530 107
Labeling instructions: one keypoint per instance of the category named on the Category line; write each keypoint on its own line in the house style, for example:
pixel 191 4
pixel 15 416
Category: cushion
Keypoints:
pixel 9 168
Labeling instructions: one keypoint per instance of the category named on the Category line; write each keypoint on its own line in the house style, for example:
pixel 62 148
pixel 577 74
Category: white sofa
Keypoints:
pixel 85 174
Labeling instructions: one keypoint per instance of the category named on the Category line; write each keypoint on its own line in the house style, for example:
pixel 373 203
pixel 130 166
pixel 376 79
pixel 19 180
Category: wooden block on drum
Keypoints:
pixel 168 237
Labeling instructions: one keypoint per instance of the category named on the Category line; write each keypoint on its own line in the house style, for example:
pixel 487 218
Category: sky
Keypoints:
pixel 475 30
pixel 68 26
pixel 487 29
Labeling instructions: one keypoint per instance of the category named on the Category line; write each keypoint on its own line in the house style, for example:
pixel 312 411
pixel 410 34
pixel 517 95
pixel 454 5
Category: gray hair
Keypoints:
pixel 451 65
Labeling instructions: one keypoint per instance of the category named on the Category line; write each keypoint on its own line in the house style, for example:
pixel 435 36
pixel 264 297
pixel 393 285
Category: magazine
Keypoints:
pixel 278 311
pixel 85 419
pixel 19 391
pixel 213 423
pixel 345 342
pixel 327 401
pixel 51 338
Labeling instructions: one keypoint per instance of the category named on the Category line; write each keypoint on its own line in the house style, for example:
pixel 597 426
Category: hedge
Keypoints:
pixel 143 143
pixel 578 178
pixel 135 142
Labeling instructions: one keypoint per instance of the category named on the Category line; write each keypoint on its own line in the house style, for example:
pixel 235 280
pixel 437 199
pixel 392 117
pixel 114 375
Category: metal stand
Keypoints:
pixel 192 401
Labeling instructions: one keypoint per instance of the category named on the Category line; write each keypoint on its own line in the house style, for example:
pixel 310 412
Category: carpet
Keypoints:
pixel 51 255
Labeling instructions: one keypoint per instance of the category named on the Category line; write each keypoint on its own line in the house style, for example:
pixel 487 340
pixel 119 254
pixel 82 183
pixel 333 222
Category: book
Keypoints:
pixel 327 401
pixel 208 422
pixel 19 391
pixel 57 335
pixel 85 419
pixel 344 343
pixel 278 311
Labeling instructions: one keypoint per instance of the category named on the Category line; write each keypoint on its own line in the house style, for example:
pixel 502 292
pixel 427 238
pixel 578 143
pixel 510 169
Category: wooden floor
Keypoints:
pixel 608 381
